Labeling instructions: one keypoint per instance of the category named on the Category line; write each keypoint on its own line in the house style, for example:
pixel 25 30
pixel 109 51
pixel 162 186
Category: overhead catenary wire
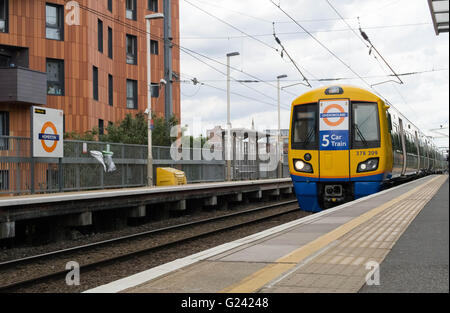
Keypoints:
pixel 347 18
pixel 302 32
pixel 116 20
pixel 285 22
pixel 155 37
pixel 337 57
pixel 363 37
pixel 225 74
pixel 119 22
pixel 292 60
pixel 337 78
pixel 318 41
pixel 195 81
pixel 184 49
pixel 234 11
pixel 230 25
pixel 366 38
pixel 329 51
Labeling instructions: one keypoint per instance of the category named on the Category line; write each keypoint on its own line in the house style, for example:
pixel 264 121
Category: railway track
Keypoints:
pixel 36 269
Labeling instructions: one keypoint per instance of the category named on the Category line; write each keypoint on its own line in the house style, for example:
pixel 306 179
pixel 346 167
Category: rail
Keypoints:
pixel 90 251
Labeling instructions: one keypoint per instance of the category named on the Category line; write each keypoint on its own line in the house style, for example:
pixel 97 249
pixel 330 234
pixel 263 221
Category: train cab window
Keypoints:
pixel 365 130
pixel 304 127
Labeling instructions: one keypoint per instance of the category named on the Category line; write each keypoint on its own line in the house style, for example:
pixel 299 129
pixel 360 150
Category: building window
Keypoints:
pixel 54 19
pixel 55 77
pixel 110 90
pixel 100 35
pixel 5 60
pixel 110 5
pixel 154 47
pixel 4 14
pixel 131 9
pixel 101 127
pixel 132 94
pixel 4 130
pixel 131 49
pixel 154 88
pixel 110 43
pixel 153 5
pixel 95 82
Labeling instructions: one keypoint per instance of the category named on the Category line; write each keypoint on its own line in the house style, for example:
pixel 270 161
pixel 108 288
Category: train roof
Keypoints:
pixel 321 93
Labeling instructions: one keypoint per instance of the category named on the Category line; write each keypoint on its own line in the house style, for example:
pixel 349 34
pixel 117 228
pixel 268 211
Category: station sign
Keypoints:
pixel 47 132
pixel 334 124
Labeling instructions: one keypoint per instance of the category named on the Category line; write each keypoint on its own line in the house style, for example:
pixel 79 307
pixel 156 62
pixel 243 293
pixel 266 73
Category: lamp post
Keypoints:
pixel 280 164
pixel 148 19
pixel 229 151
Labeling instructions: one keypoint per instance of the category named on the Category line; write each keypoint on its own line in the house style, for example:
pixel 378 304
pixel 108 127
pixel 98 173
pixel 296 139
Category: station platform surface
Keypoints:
pixel 6 201
pixel 332 251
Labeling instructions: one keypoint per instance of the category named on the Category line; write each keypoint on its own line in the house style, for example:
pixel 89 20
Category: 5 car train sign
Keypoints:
pixel 334 125
pixel 47 132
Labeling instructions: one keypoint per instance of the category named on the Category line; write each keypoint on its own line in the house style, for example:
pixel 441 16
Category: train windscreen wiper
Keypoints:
pixel 308 137
pixel 361 135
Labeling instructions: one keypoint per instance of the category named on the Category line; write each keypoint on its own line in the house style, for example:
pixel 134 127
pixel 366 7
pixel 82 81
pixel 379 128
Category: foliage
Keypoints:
pixel 200 139
pixel 131 130
pixel 90 135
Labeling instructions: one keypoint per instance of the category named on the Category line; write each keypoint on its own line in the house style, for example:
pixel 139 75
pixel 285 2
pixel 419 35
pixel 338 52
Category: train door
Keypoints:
pixel 403 139
pixel 334 147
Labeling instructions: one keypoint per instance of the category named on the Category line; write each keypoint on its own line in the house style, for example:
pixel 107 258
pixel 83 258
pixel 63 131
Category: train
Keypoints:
pixel 346 143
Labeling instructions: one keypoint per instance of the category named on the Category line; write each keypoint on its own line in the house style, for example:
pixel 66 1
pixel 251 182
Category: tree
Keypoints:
pixel 161 131
pixel 132 130
pixel 89 135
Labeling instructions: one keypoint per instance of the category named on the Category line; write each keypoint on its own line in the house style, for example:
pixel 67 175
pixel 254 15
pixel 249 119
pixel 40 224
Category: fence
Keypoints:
pixel 78 170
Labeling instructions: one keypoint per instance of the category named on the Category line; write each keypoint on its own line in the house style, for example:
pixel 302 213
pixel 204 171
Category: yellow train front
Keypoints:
pixel 340 147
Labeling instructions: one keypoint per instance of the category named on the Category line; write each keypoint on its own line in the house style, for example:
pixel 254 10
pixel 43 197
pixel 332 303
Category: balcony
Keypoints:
pixel 22 85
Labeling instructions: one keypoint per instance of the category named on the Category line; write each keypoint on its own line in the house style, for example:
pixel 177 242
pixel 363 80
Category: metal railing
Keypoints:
pixel 78 170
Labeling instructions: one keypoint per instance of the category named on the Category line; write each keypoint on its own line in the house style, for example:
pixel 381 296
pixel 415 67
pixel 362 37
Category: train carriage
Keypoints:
pixel 346 143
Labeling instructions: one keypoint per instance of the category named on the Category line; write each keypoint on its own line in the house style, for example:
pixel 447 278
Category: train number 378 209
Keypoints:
pixel 366 153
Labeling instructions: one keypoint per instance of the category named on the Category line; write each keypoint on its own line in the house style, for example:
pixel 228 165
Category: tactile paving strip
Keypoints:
pixel 341 267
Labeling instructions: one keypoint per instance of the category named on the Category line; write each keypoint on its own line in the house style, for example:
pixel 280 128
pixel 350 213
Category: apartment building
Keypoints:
pixel 86 57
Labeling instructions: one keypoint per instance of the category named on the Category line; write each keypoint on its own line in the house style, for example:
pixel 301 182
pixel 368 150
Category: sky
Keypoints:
pixel 401 30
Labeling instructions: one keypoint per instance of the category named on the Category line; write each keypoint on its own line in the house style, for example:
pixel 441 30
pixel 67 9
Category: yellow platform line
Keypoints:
pixel 267 274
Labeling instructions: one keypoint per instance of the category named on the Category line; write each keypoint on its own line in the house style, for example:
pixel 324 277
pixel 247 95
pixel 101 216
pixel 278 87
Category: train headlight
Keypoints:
pixel 335 90
pixel 302 166
pixel 369 166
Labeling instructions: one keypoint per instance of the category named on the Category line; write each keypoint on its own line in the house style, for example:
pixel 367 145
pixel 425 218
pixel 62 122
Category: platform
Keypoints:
pixel 78 208
pixel 332 251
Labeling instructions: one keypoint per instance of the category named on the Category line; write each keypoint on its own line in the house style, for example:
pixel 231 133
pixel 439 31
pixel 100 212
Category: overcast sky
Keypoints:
pixel 401 30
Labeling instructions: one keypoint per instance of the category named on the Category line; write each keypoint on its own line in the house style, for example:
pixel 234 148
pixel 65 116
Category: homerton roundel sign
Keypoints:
pixel 45 136
pixel 47 132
